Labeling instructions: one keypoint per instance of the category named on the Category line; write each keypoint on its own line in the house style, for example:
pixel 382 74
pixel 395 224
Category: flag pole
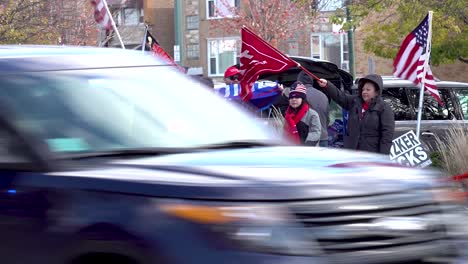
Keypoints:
pixel 423 79
pixel 143 45
pixel 308 72
pixel 113 24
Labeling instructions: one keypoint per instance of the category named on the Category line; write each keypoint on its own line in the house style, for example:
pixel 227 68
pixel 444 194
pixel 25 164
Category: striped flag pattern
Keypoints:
pixel 409 62
pixel 101 15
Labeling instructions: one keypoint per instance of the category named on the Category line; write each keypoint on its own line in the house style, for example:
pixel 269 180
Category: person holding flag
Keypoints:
pixel 264 92
pixel 371 121
pixel 231 75
pixel 259 57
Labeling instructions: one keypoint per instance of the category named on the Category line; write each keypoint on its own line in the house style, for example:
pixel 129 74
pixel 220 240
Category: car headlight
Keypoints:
pixel 261 228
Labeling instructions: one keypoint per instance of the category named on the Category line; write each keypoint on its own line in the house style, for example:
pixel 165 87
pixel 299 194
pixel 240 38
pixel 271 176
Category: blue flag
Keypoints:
pixel 263 93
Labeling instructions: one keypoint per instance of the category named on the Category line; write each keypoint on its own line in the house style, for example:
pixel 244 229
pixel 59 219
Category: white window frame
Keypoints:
pixel 321 39
pixel 320 46
pixel 208 55
pixel 216 15
pixel 343 61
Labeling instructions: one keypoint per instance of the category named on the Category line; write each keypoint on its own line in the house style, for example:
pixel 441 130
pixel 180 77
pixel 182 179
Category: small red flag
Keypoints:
pixel 258 57
pixel 160 52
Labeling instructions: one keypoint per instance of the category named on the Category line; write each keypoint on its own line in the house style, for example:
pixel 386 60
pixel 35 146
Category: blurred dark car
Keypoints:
pixel 108 158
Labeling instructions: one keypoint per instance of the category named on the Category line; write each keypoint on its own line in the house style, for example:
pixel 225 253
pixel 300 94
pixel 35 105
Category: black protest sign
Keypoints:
pixel 408 150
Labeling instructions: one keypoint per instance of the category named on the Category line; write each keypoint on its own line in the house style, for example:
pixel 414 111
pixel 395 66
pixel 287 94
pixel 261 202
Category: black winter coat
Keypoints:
pixel 374 133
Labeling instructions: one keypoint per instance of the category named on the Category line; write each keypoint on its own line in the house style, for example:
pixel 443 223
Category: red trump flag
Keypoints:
pixel 258 57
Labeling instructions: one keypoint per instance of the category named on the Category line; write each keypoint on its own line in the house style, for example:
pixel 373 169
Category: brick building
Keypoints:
pixel 131 16
pixel 209 51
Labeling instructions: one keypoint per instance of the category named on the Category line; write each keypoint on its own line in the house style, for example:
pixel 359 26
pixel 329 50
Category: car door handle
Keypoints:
pixel 428 134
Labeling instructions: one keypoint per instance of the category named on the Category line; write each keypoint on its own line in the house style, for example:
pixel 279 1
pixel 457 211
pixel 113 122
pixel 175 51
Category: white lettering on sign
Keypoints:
pixel 408 150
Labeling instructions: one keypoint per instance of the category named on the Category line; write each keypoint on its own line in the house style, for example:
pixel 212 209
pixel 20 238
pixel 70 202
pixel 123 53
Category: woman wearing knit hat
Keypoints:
pixel 371 122
pixel 302 124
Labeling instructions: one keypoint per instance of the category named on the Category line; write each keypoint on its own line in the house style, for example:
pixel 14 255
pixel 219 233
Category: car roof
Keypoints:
pixel 308 58
pixel 21 58
pixel 391 81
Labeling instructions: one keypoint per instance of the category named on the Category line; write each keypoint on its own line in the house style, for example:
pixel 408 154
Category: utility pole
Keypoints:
pixel 352 70
pixel 178 27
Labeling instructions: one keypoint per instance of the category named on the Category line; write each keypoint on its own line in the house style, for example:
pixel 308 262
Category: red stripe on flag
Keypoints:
pixel 411 67
pixel 401 51
pixel 100 14
pixel 409 60
pixel 411 70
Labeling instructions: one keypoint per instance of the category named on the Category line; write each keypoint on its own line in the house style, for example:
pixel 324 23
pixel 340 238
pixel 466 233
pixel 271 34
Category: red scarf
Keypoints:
pixel 365 106
pixel 292 118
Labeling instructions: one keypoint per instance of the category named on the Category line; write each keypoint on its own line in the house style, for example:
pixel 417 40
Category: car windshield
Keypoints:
pixel 124 108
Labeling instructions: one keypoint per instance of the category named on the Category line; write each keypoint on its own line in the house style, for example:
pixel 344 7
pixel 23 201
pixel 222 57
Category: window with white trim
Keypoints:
pixel 221 8
pixel 331 47
pixel 222 53
pixel 316 48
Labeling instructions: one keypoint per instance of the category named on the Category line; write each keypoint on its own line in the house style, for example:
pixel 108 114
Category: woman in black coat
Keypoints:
pixel 371 122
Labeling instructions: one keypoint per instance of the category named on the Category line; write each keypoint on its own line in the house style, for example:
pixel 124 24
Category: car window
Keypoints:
pixel 432 110
pixel 462 95
pixel 399 102
pixel 116 109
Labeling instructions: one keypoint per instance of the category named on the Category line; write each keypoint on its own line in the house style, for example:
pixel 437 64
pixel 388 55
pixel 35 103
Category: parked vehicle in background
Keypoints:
pixel 401 95
pixel 108 156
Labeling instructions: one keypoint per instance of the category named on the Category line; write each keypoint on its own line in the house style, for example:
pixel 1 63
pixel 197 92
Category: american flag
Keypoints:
pixel 409 62
pixel 101 15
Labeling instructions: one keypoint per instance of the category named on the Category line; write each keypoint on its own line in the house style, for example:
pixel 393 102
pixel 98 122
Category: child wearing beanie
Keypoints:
pixel 302 123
